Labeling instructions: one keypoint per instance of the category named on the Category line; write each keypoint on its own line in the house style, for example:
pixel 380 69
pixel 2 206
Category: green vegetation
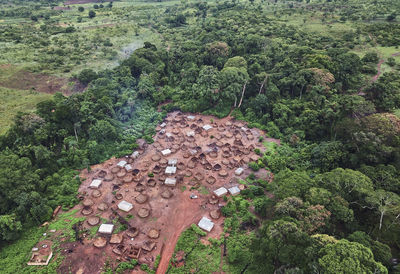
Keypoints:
pixel 303 71
pixel 14 101
pixel 13 258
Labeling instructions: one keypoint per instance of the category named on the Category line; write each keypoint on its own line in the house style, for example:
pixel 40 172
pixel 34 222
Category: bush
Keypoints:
pixel 86 76
pixel 254 166
pixel 92 14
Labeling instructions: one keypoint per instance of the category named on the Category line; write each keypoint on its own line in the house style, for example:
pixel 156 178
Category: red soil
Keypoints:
pixel 170 216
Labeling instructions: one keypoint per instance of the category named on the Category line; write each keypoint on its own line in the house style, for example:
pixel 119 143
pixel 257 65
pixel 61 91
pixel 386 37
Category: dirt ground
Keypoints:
pixel 217 152
pixel 40 82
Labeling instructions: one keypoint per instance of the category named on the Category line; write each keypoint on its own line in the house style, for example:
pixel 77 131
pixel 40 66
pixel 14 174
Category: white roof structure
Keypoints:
pixel 166 152
pixel 239 171
pixel 95 183
pixel 163 125
pixel 125 206
pixel 243 128
pixel 170 170
pixel 234 190
pixel 121 163
pixel 190 133
pixel 106 228
pixel 135 154
pixel 128 168
pixel 191 117
pixel 206 224
pixel 207 127
pixel 220 191
pixel 172 162
pixel 168 134
pixel 170 182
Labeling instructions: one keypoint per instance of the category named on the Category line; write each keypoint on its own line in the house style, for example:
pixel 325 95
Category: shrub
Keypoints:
pixel 254 166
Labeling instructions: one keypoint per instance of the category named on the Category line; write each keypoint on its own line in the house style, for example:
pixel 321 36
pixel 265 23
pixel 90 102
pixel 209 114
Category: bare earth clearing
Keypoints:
pixel 25 80
pixel 206 161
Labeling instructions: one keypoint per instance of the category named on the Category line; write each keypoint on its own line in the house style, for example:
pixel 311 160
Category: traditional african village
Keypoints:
pixel 158 191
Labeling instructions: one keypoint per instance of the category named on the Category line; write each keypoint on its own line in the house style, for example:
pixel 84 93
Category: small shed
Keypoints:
pixel 170 182
pixel 239 171
pixel 191 117
pixel 106 228
pixel 206 224
pixel 135 154
pixel 121 163
pixel 220 192
pixel 166 152
pixel 163 125
pixel 207 127
pixel 190 133
pixel 172 162
pixel 234 190
pixel 95 183
pixel 170 170
pixel 128 168
pixel 125 206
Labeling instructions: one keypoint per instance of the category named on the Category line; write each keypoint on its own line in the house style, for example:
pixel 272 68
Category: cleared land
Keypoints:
pixel 206 161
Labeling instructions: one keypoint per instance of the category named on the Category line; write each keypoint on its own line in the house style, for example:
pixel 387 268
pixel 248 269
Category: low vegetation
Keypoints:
pixel 306 72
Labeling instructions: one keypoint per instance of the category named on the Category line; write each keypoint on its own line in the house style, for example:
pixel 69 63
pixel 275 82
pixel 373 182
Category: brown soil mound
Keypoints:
pixel 116 239
pixel 102 207
pixel 94 220
pixel 96 193
pixel 156 158
pixel 143 212
pixel 166 194
pixel 115 170
pixel 128 179
pixel 223 173
pixel 132 232
pixel 141 198
pixel 102 174
pixel 100 242
pixel 211 180
pixel 148 246
pixel 121 174
pixel 87 211
pixel 153 233
pixel 109 177
pixel 215 214
pixel 151 182
pixel 87 202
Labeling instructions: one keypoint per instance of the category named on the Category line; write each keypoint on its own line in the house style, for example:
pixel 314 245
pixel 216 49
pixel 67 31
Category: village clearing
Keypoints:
pixel 137 206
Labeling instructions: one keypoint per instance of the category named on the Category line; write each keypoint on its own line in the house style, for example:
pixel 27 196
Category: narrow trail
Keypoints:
pixel 377 75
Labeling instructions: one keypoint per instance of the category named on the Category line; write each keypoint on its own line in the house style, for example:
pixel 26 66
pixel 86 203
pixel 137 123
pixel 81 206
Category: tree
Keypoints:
pixel 86 76
pixel 207 85
pixel 9 227
pixel 291 183
pixel 385 202
pixel 92 14
pixel 81 9
pixel 350 184
pixel 382 252
pixel 348 257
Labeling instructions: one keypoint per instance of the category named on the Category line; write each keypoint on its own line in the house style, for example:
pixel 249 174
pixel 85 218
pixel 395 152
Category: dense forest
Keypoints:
pixel 335 202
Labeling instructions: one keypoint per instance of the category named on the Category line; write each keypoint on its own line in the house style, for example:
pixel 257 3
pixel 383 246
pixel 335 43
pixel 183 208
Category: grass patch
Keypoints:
pixel 14 101
pixel 13 257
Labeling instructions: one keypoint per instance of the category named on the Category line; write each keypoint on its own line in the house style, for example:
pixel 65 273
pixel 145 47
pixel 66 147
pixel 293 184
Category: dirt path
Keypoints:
pixel 378 67
pixel 207 160
pixel 377 75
